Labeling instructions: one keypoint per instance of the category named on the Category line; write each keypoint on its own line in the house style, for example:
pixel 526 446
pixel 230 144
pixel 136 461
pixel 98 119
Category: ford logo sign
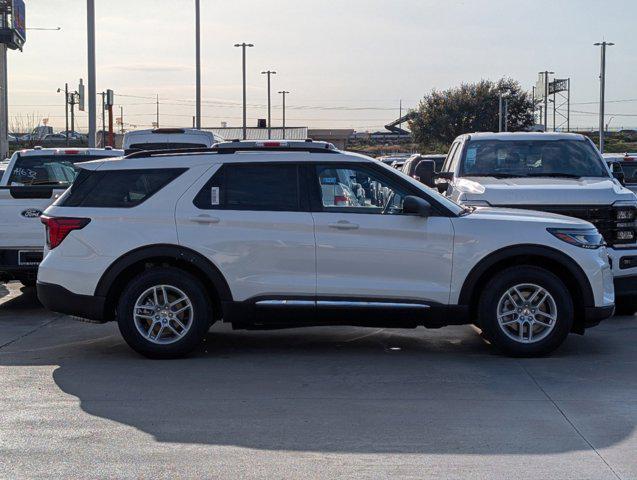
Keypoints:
pixel 31 213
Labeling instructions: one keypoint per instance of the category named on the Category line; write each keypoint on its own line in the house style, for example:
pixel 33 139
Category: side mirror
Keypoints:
pixel 425 172
pixel 444 180
pixel 413 205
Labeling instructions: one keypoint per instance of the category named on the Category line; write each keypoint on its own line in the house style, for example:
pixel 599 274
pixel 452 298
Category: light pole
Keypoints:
pixel 66 111
pixel 268 73
pixel 243 59
pixel 602 87
pixel 198 66
pixel 90 30
pixel 284 93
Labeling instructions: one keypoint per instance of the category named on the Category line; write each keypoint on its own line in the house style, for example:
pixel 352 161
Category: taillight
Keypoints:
pixel 57 228
pixel 340 200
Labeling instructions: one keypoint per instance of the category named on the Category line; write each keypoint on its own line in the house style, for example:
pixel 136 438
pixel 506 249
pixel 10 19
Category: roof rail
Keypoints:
pixel 243 146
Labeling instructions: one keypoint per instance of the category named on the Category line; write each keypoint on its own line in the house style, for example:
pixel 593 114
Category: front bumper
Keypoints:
pixel 61 300
pixel 594 315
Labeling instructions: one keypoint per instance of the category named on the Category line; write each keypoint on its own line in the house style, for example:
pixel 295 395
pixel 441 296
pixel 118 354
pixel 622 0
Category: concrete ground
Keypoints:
pixel 76 402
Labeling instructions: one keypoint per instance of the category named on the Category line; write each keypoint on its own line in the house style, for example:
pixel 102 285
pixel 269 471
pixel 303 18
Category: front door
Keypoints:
pixel 367 249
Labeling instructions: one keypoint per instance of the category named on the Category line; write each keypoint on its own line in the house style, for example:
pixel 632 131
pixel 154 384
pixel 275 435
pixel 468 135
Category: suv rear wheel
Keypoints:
pixel 164 313
pixel 525 311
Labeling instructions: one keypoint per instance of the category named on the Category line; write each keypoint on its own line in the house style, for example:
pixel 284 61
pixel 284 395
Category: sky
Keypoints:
pixel 346 63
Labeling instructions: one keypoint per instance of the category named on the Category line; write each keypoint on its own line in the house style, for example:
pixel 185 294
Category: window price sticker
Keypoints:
pixel 214 196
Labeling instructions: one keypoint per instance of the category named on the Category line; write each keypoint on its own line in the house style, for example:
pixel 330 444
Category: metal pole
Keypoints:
pixel 546 100
pixel 499 112
pixel 73 112
pixel 554 108
pixel 103 94
pixel 157 117
pixel 506 114
pixel 602 88
pixel 243 63
pixel 66 111
pixel 90 24
pixel 4 103
pixel 284 93
pixel 121 118
pixel 568 105
pixel 400 115
pixel 198 65
pixel 268 73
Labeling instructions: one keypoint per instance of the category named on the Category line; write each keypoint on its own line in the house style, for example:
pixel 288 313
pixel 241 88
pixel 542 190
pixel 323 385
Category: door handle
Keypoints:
pixel 344 225
pixel 205 219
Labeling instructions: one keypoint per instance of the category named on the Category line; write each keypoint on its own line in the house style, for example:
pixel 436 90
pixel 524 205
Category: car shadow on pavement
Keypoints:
pixel 346 389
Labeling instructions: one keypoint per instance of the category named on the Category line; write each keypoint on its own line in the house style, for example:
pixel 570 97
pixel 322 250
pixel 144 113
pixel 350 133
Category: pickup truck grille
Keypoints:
pixel 605 218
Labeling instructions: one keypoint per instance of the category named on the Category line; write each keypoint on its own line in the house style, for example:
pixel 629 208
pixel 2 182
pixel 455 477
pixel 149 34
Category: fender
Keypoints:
pixel 505 253
pixel 164 250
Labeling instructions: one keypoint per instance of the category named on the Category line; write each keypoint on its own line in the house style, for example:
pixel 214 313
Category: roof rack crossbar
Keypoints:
pixel 228 148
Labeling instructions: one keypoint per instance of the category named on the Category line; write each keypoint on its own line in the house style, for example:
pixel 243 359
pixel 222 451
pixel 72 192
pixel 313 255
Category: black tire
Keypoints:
pixel 496 288
pixel 202 313
pixel 27 281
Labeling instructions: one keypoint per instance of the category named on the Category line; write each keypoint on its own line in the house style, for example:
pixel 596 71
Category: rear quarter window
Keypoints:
pixel 117 188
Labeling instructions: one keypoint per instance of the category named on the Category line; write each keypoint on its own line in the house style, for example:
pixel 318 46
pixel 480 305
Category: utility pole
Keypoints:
pixel 66 112
pixel 506 114
pixel 602 88
pixel 554 108
pixel 568 105
pixel 4 99
pixel 103 95
pixel 268 73
pixel 243 61
pixel 157 114
pixel 546 74
pixel 284 93
pixel 72 101
pixel 499 112
pixel 198 66
pixel 121 119
pixel 90 27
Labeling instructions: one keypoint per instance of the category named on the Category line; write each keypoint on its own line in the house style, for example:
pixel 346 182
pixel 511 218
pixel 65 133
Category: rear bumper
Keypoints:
pixel 17 263
pixel 61 300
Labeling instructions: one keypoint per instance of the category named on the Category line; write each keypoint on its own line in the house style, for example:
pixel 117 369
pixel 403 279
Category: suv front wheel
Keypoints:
pixel 164 313
pixel 525 311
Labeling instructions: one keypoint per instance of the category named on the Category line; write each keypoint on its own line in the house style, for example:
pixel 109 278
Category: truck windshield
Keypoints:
pixel 535 158
pixel 47 169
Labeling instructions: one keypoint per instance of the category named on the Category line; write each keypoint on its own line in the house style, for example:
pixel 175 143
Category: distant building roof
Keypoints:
pixel 253 133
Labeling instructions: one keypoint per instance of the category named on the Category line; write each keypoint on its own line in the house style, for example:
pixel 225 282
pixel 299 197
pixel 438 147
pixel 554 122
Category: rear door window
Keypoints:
pixel 117 188
pixel 271 187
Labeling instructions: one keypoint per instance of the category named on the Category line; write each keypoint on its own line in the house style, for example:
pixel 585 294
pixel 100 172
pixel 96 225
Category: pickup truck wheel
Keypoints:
pixel 164 313
pixel 525 311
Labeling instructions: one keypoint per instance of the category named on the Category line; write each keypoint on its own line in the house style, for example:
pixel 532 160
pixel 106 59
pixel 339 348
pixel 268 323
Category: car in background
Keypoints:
pixel 31 181
pixel 626 165
pixel 561 173
pixel 409 168
pixel 168 139
pixel 55 137
pixel 389 159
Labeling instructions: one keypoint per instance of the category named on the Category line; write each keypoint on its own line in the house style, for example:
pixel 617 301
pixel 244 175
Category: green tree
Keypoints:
pixel 473 107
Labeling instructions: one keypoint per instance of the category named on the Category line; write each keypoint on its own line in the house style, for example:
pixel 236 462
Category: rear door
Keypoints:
pixel 370 250
pixel 252 221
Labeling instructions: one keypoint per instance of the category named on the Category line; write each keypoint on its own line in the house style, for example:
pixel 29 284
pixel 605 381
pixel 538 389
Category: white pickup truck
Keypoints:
pixel 33 179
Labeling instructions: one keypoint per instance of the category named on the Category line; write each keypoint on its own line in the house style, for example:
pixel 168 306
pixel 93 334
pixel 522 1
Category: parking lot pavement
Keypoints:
pixel 342 402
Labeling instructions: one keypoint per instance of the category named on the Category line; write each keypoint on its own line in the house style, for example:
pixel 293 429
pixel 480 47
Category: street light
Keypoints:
pixel 268 73
pixel 284 93
pixel 66 110
pixel 243 57
pixel 602 87
pixel 197 66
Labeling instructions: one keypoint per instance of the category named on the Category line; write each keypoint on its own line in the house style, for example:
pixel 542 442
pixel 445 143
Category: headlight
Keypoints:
pixel 584 238
pixel 625 213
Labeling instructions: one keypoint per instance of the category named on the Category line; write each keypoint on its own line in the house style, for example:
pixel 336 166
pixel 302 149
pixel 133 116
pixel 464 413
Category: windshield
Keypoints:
pixel 47 169
pixel 536 158
pixel 630 172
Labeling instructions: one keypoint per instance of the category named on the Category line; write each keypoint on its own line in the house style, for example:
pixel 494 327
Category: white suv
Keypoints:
pixel 243 234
